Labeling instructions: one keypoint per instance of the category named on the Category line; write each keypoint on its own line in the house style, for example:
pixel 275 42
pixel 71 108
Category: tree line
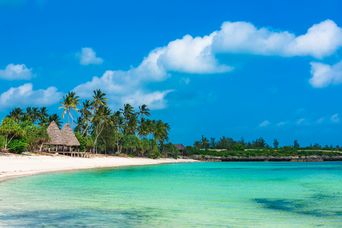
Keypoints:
pixel 98 128
pixel 228 143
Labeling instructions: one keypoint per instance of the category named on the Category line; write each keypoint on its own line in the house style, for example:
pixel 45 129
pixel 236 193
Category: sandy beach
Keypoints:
pixel 12 166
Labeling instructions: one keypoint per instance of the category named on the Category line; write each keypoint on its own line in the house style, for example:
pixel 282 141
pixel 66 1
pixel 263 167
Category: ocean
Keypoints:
pixel 206 194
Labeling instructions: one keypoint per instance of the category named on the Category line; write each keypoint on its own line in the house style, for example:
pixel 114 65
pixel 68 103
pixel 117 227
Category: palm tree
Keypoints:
pixel 55 117
pixel 99 99
pixel 131 121
pixel 43 116
pixel 32 114
pixel 160 131
pixel 144 111
pixel 83 122
pixel 101 119
pixel 17 114
pixel 69 103
pixel 127 111
pixel 143 127
pixel 204 142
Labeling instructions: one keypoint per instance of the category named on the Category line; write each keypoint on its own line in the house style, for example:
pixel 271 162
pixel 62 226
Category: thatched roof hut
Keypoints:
pixel 55 134
pixel 180 147
pixel 69 136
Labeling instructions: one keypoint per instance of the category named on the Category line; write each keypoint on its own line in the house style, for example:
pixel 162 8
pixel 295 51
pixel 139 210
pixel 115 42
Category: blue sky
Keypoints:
pixel 234 68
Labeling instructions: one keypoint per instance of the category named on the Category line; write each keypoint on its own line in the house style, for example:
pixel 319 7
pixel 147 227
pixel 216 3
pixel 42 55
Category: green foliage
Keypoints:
pixel 144 146
pixel 98 129
pixel 17 146
pixel 154 151
pixel 170 150
pixel 284 152
pixel 86 142
pixel 34 135
pixel 2 142
pixel 10 129
pixel 275 144
pixel 228 147
pixel 131 144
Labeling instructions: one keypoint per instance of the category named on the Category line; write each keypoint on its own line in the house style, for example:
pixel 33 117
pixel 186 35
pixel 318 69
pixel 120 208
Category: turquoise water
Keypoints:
pixel 179 195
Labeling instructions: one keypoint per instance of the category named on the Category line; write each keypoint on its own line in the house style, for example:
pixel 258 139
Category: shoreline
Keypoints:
pixel 311 158
pixel 17 166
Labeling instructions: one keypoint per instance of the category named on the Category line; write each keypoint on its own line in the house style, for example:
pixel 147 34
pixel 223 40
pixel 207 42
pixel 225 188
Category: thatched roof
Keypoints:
pixel 64 137
pixel 55 134
pixel 69 136
pixel 180 146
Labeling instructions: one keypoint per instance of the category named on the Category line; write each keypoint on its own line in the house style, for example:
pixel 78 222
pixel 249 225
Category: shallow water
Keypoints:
pixel 179 195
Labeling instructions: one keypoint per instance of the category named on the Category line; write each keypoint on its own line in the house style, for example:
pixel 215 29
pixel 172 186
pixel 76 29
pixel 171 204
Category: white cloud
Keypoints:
pixel 321 40
pixel 25 95
pixel 335 118
pixel 197 55
pixel 155 100
pixel 242 37
pixel 264 123
pixel 124 87
pixel 325 74
pixel 88 56
pixel 191 55
pixel 16 72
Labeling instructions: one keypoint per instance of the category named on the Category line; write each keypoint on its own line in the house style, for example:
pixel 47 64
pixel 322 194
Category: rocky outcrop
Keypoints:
pixel 269 158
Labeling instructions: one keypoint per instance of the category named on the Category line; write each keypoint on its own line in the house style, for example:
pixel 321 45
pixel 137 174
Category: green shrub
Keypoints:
pixel 154 152
pixel 2 142
pixel 17 146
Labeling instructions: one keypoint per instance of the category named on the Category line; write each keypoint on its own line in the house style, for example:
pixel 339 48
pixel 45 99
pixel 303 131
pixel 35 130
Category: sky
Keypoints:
pixel 241 69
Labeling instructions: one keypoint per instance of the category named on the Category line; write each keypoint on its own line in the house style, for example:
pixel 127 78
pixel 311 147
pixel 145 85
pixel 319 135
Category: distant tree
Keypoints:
pixel 259 143
pixel 197 145
pixel 296 144
pixel 212 143
pixel 170 150
pixel 204 142
pixel 275 144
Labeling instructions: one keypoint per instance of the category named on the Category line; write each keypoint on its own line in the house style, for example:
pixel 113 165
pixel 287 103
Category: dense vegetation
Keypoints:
pixel 227 147
pixel 98 128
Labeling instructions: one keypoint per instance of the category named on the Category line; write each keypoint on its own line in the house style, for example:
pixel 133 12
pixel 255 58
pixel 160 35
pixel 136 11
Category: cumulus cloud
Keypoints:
pixel 16 72
pixel 124 87
pixel 197 55
pixel 325 74
pixel 88 56
pixel 155 100
pixel 25 95
pixel 191 55
pixel 319 41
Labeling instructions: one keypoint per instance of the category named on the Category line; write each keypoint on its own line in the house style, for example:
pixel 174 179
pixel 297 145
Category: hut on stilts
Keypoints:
pixel 70 140
pixel 62 141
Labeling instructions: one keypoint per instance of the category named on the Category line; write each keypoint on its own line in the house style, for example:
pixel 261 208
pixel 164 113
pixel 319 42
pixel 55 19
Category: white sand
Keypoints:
pixel 12 166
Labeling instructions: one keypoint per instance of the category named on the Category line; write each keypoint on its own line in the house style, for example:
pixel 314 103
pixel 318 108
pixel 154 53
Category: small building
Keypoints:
pixel 61 140
pixel 70 139
pixel 180 148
